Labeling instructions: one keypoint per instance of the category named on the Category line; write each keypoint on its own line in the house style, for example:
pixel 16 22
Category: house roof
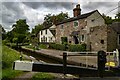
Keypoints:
pixel 78 17
pixel 116 26
pixel 53 32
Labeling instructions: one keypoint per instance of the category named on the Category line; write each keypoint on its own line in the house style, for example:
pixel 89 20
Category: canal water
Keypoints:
pixel 40 57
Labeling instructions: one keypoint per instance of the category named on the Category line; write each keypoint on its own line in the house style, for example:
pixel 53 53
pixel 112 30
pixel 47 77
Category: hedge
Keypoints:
pixel 68 47
pixel 57 46
pixel 77 47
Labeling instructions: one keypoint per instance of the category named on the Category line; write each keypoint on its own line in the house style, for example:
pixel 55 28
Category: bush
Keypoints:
pixel 57 46
pixel 64 40
pixel 44 46
pixel 77 47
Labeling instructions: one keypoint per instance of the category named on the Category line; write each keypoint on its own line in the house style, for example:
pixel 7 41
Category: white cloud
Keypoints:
pixel 34 13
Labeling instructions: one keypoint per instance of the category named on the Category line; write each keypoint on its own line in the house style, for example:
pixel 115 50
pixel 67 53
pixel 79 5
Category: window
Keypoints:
pixel 119 39
pixel 62 26
pixel 41 40
pixel 46 31
pixel 51 38
pixel 82 38
pixel 93 20
pixel 102 41
pixel 64 40
pixel 46 39
pixel 75 23
pixel 41 32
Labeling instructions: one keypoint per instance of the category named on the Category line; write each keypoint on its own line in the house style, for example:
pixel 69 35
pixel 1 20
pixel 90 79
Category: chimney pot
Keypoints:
pixel 77 10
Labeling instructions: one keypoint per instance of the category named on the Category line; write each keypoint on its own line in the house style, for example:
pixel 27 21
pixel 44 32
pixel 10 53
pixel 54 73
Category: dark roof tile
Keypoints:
pixel 78 17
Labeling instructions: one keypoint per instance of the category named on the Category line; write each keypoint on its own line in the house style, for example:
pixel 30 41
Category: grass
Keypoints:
pixel 42 76
pixel 8 57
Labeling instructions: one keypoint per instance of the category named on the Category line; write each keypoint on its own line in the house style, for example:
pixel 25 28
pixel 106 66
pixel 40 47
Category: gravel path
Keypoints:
pixel 26 76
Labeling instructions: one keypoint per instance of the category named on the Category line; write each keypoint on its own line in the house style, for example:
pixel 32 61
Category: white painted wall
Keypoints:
pixel 49 35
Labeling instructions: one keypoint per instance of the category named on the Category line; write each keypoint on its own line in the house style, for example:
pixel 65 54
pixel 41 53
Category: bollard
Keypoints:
pixel 64 62
pixel 101 62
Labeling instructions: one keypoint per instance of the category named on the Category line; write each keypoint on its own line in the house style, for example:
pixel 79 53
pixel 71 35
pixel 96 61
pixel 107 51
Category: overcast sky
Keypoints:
pixel 34 12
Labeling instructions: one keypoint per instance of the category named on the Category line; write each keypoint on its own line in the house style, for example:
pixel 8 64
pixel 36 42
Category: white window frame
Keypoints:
pixel 74 24
pixel 82 39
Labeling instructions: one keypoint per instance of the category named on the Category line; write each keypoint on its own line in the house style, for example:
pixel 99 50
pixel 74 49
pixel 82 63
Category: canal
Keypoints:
pixel 40 57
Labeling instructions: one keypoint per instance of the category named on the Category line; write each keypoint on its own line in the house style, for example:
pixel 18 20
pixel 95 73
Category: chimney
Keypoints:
pixel 77 11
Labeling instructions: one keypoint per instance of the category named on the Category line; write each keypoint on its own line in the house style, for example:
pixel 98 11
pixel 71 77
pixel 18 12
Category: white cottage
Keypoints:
pixel 47 34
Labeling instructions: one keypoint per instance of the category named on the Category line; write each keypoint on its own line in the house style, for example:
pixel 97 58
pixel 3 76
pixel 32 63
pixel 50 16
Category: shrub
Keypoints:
pixel 44 46
pixel 77 47
pixel 64 40
pixel 57 46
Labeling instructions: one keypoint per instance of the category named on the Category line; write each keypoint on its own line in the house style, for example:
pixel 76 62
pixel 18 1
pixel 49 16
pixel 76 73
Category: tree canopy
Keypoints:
pixel 37 29
pixel 49 19
pixel 3 32
pixel 110 20
pixel 20 31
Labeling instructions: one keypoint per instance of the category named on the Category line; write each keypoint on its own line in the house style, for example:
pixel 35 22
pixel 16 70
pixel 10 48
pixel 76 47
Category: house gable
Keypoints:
pixel 95 19
pixel 46 36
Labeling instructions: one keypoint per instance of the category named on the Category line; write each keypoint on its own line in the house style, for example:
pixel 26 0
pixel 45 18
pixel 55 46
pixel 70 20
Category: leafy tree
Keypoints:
pixel 49 19
pixel 37 29
pixel 9 36
pixel 20 30
pixel 108 19
pixel 3 32
pixel 62 16
pixel 117 18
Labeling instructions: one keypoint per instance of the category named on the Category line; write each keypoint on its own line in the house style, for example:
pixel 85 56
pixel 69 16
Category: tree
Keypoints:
pixel 117 18
pixel 9 36
pixel 20 30
pixel 37 29
pixel 3 32
pixel 108 19
pixel 49 19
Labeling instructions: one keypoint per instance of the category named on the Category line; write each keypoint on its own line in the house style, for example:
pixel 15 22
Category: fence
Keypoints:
pixel 112 58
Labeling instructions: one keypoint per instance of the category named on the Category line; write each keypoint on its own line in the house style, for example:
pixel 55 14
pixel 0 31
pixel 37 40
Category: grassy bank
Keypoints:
pixel 8 57
pixel 42 76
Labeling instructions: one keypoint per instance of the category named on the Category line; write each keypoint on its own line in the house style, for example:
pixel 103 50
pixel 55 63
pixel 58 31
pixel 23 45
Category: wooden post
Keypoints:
pixel 64 62
pixel 101 62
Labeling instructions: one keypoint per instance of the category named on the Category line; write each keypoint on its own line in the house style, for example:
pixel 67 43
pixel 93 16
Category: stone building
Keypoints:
pixel 77 29
pixel 114 39
pixel 106 37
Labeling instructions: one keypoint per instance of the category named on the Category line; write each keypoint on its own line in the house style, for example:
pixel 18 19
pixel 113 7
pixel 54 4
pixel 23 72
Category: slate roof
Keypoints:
pixel 78 17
